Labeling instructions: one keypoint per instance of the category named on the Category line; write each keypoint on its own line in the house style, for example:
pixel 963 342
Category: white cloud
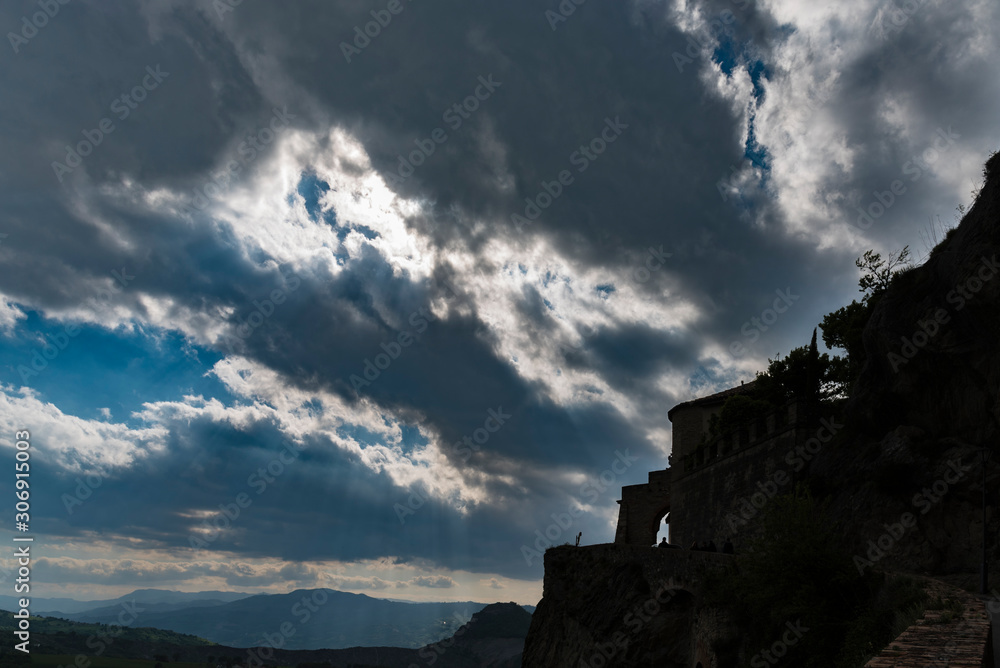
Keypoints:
pixel 806 123
pixel 72 443
pixel 9 314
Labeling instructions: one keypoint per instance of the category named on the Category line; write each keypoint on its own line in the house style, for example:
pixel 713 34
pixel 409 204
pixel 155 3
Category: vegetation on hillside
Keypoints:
pixel 57 626
pixel 806 374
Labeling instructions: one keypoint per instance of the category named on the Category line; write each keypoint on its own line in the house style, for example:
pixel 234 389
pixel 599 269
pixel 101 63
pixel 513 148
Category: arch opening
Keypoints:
pixel 661 524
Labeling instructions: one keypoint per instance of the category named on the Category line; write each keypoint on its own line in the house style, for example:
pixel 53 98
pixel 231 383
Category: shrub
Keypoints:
pixel 738 412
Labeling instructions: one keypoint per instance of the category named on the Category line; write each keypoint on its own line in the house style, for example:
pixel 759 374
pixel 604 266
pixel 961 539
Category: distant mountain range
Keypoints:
pixel 302 620
pixel 493 638
pixel 159 599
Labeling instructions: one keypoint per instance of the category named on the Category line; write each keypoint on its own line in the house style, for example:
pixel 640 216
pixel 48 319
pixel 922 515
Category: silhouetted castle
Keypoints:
pixel 714 486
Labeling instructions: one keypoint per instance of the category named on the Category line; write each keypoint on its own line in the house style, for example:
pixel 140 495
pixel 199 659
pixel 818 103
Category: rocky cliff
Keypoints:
pixel 933 354
pixel 927 400
pixel 495 635
pixel 624 606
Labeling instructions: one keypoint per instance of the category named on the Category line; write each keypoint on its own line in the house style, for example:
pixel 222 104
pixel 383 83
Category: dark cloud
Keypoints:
pixel 607 80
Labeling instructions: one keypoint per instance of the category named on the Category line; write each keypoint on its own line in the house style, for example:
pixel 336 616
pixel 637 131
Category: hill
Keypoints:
pixel 321 619
pixel 55 636
pixel 159 599
pixel 492 638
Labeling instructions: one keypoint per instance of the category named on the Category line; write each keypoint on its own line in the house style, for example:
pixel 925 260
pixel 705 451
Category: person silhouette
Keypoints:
pixel 664 543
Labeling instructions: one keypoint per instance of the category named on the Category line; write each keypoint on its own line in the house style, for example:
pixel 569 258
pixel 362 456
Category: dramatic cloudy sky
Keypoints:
pixel 192 274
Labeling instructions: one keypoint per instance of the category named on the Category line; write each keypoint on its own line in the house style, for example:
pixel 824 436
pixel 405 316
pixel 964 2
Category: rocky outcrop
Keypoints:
pixel 495 635
pixel 909 502
pixel 933 354
pixel 927 400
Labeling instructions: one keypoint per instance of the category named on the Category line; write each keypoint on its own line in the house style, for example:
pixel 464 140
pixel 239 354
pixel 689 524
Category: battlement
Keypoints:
pixel 770 426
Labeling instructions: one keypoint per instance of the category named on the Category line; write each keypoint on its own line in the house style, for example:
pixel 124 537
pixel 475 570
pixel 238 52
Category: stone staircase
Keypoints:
pixel 950 637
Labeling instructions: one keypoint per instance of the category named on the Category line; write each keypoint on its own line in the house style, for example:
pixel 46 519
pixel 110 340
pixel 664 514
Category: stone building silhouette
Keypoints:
pixel 714 486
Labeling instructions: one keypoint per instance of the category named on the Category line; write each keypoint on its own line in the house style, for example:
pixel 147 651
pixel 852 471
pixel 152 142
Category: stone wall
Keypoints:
pixel 688 423
pixel 720 499
pixel 641 509
pixel 623 606
pixel 713 491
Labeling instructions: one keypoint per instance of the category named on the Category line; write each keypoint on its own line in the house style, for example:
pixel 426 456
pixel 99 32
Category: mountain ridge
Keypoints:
pixel 492 638
pixel 317 619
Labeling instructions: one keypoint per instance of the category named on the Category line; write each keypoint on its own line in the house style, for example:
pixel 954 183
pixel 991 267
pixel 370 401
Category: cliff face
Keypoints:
pixel 933 354
pixel 623 606
pixel 927 398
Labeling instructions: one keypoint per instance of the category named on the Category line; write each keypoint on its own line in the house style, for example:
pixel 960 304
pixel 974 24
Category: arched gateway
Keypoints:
pixel 642 508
